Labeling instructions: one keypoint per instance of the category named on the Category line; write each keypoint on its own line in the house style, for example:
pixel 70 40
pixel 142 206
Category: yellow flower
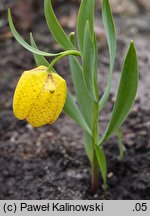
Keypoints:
pixel 39 96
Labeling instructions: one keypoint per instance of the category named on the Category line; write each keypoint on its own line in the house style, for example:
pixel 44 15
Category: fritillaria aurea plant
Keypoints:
pixel 41 93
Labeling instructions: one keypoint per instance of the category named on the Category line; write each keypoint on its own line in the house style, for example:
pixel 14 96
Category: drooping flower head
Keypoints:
pixel 39 96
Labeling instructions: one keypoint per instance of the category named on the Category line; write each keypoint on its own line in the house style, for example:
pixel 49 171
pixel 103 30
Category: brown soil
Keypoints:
pixel 50 162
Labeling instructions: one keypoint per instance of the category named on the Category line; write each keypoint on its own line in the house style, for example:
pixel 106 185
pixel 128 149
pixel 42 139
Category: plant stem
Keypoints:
pixel 63 54
pixel 95 142
pixel 95 176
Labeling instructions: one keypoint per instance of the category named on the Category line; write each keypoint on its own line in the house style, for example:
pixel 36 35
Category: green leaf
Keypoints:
pixel 111 39
pixel 88 145
pixel 40 60
pixel 86 12
pixel 126 93
pixel 24 43
pixel 96 68
pixel 88 59
pixel 55 28
pixel 102 164
pixel 72 110
pixel 82 96
pixel 83 99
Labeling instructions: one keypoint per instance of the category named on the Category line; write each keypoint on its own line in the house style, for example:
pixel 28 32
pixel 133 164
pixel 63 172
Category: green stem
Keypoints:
pixel 95 142
pixel 95 176
pixel 63 54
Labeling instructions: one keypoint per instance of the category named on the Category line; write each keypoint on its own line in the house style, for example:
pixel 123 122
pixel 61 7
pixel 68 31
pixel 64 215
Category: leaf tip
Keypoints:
pixel 132 46
pixel 132 43
pixel 72 33
pixel 9 13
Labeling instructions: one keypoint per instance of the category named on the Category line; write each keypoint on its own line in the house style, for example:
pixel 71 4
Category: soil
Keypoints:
pixel 50 162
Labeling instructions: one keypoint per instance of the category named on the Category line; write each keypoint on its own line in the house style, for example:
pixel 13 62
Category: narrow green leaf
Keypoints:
pixel 126 93
pixel 55 28
pixel 88 59
pixel 111 39
pixel 84 100
pixel 88 145
pixel 40 60
pixel 24 43
pixel 86 12
pixel 102 164
pixel 96 68
pixel 72 110
pixel 110 30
